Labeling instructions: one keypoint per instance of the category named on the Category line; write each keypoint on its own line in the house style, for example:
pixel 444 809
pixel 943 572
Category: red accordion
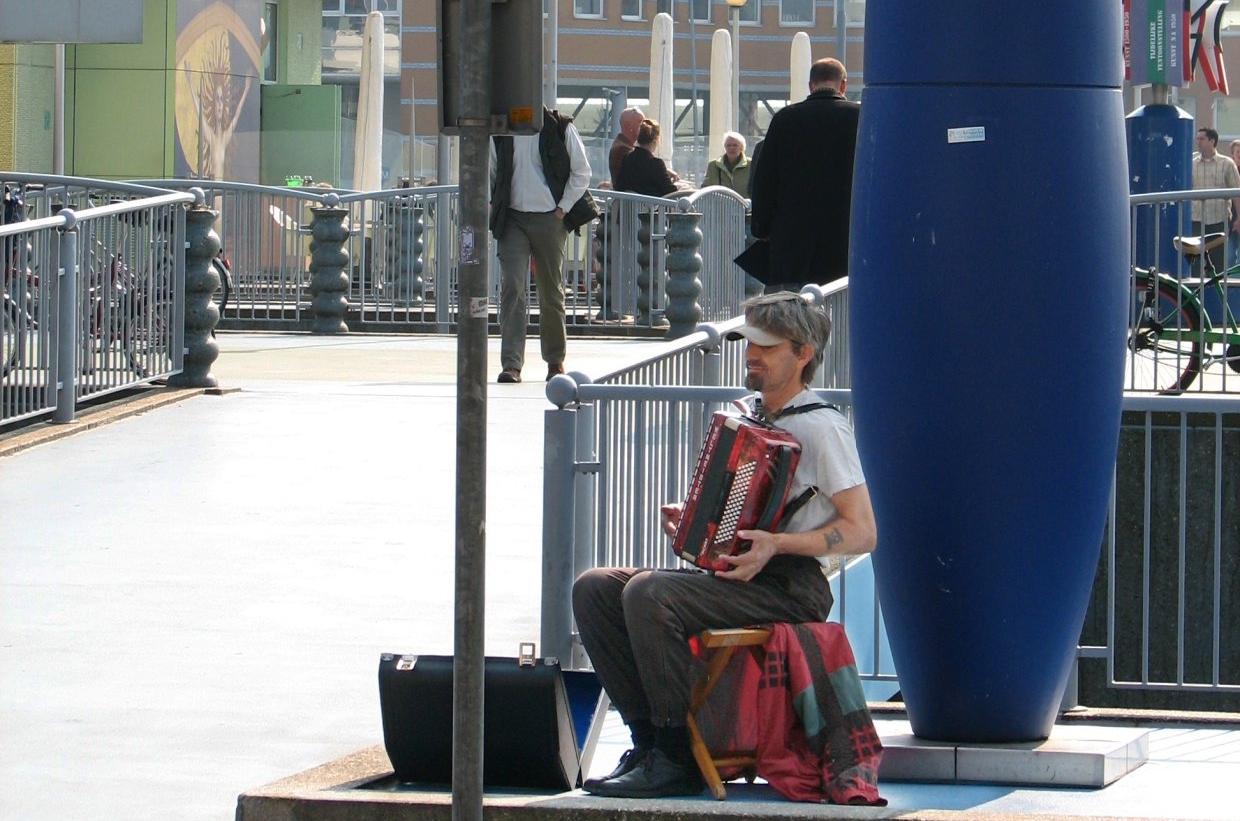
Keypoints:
pixel 741 482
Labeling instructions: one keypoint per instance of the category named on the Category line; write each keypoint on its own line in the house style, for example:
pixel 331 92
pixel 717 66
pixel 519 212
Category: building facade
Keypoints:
pixel 261 90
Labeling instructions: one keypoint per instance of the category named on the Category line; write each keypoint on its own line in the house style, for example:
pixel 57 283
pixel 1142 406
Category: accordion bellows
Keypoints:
pixel 741 482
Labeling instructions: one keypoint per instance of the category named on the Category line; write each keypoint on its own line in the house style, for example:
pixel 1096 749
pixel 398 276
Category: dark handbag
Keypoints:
pixel 528 732
pixel 584 210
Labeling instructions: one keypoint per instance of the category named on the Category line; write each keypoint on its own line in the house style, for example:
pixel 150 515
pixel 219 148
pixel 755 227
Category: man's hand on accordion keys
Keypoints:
pixel 750 563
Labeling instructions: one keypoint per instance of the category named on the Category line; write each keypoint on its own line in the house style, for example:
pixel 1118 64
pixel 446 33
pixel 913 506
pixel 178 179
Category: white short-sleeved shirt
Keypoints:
pixel 829 461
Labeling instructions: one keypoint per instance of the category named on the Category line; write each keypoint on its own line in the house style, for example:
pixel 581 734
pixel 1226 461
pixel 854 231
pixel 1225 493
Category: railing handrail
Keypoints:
pixel 112 209
pixel 1160 197
pixel 698 193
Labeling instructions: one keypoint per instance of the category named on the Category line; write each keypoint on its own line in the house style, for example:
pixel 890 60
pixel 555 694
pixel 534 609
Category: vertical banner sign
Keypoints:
pixel 1154 41
pixel 1205 23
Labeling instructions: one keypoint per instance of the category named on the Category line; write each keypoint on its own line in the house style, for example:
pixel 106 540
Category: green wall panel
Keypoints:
pixel 155 50
pixel 122 124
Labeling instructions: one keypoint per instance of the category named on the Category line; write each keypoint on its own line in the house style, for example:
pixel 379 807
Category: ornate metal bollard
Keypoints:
pixel 404 249
pixel 201 314
pixel 329 261
pixel 684 263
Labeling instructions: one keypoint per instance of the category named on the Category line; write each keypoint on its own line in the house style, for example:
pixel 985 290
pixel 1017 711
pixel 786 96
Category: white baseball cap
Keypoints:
pixel 756 335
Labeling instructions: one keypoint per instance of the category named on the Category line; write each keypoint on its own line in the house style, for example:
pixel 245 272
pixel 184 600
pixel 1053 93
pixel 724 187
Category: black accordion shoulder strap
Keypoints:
pixel 792 411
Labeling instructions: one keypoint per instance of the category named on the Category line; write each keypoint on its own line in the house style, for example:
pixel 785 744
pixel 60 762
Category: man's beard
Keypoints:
pixel 753 381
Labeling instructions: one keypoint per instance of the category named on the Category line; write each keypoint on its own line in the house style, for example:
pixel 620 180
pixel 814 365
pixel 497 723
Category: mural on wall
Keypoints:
pixel 217 100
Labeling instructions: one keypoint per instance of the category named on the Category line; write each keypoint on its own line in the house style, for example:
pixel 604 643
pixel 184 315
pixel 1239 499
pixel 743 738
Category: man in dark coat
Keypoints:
pixel 802 188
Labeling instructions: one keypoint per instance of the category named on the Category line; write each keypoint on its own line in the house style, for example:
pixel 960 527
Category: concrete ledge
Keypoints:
pixel 357 787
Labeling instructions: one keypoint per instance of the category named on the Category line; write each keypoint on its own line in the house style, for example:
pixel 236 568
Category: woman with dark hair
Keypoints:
pixel 642 172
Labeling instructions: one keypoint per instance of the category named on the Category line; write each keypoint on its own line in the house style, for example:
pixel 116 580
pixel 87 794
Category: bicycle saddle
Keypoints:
pixel 1196 246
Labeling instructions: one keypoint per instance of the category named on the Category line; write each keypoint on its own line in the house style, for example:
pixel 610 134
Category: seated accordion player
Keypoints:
pixel 741 482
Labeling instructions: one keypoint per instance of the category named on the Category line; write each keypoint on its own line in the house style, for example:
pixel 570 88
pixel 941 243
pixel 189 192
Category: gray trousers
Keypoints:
pixel 635 624
pixel 539 237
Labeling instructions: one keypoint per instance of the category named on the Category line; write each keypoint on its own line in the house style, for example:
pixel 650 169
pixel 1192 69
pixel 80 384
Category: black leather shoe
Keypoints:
pixel 631 760
pixel 658 776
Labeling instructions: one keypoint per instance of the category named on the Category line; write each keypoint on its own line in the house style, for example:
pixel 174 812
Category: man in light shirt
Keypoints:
pixel 1214 170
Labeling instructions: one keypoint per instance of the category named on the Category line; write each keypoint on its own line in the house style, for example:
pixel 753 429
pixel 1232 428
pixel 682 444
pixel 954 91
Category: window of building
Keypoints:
pixel 796 12
pixel 700 9
pixel 588 8
pixel 1226 119
pixel 751 12
pixel 854 13
pixel 343 24
pixel 269 33
pixel 663 6
pixel 630 9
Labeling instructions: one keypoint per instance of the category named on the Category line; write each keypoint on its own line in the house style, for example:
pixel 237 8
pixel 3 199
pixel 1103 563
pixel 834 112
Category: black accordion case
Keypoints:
pixel 741 482
pixel 529 735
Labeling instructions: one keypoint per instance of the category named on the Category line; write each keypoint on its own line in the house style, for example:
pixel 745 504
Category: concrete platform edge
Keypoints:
pixel 332 792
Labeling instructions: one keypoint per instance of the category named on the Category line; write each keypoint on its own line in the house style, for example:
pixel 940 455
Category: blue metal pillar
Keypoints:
pixel 1160 158
pixel 988 288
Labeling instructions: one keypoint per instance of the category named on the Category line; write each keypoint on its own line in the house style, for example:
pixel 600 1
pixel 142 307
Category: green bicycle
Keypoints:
pixel 1171 338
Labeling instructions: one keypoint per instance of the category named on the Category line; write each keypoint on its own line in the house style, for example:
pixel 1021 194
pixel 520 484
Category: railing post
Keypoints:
pixel 445 230
pixel 1071 699
pixel 585 524
pixel 329 259
pixel 404 249
pixel 201 314
pixel 684 263
pixel 644 260
pixel 559 464
pixel 712 358
pixel 66 345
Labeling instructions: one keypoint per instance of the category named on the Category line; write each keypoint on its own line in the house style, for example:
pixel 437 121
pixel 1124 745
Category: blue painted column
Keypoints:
pixel 988 283
pixel 1160 158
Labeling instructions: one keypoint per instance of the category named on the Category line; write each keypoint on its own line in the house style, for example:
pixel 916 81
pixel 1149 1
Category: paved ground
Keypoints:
pixel 193 600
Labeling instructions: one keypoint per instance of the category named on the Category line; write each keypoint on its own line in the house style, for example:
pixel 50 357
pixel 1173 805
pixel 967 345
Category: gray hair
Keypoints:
pixel 732 135
pixel 790 316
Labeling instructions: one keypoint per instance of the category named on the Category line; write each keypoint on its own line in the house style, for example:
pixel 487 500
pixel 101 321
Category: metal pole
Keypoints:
pixel 474 256
pixel 558 571
pixel 841 34
pixel 551 80
pixel 66 319
pixel 58 107
pixel 736 68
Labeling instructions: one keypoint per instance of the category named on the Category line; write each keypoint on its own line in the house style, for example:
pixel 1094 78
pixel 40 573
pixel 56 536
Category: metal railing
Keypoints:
pixel 403 246
pixel 93 299
pixel 1166 611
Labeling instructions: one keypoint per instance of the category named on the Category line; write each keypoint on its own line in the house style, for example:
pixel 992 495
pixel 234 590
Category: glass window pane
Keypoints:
pixel 331 6
pixel 587 8
pixel 1226 119
pixel 631 9
pixel 663 7
pixel 796 11
pixel 701 10
pixel 749 12
pixel 269 34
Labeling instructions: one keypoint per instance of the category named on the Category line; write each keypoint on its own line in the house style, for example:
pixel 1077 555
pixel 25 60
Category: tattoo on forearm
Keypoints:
pixel 832 537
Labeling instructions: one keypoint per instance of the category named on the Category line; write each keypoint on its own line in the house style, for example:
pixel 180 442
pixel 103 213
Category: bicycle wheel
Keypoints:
pixel 1164 343
pixel 12 336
